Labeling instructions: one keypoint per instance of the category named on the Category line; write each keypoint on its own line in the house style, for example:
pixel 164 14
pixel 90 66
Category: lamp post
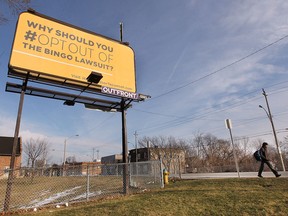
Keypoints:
pixel 269 115
pixel 65 143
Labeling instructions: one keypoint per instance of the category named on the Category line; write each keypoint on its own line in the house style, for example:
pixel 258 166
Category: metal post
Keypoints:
pixel 124 148
pixel 136 153
pixel 64 159
pixel 273 128
pixel 87 184
pixel 148 148
pixel 14 148
pixel 124 136
pixel 64 154
pixel 234 153
pixel 121 31
pixel 136 158
pixel 161 173
pixel 179 167
pixel 229 126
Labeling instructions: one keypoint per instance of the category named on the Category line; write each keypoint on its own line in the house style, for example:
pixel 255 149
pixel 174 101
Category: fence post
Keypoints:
pixel 179 167
pixel 87 184
pixel 161 174
pixel 130 172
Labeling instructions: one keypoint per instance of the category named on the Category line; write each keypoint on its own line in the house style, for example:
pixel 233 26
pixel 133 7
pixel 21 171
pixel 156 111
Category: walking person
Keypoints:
pixel 264 160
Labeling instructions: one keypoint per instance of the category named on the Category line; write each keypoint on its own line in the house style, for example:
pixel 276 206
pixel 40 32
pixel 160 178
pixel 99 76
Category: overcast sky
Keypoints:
pixel 202 61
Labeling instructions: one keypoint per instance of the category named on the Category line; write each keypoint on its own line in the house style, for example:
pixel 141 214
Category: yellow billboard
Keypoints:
pixel 59 50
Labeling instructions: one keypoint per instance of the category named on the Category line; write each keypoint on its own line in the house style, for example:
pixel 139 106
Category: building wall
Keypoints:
pixel 112 159
pixel 6 147
pixel 94 168
pixel 81 168
pixel 172 159
pixel 5 164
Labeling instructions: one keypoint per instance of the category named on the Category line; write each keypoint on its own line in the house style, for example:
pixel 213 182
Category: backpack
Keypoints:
pixel 257 155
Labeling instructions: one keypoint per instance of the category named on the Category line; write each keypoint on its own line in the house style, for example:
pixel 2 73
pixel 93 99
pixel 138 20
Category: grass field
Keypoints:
pixel 268 196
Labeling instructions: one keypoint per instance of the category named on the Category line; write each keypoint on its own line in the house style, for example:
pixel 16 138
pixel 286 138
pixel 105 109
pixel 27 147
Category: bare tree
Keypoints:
pixel 257 143
pixel 284 148
pixel 71 159
pixel 171 150
pixel 242 142
pixel 14 7
pixel 206 152
pixel 209 151
pixel 35 150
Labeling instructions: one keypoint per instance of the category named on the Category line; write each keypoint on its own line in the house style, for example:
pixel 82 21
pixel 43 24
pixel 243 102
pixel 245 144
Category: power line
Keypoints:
pixel 221 69
pixel 100 124
pixel 182 119
pixel 186 119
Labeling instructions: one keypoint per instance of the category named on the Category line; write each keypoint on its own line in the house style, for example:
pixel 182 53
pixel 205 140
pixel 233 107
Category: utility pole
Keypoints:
pixel 136 153
pixel 97 155
pixel 65 144
pixel 273 128
pixel 93 149
pixel 136 157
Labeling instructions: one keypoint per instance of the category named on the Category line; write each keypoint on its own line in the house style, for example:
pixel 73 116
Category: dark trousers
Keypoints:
pixel 269 165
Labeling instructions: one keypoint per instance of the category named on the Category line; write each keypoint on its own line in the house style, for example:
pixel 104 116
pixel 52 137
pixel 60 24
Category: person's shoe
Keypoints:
pixel 260 176
pixel 278 175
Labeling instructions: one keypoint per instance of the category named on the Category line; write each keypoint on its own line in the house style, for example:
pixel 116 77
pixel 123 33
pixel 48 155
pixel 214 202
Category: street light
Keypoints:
pixel 65 143
pixel 268 113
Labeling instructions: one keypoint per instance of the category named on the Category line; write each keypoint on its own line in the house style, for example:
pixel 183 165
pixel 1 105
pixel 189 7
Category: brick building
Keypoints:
pixel 83 168
pixel 6 146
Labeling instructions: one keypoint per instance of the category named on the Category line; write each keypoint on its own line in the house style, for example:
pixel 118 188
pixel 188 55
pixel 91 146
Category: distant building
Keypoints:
pixel 6 146
pixel 143 154
pixel 173 159
pixel 83 168
pixel 109 165
pixel 112 159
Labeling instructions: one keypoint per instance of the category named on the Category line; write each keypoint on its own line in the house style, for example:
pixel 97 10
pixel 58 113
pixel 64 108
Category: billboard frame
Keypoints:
pixel 14 71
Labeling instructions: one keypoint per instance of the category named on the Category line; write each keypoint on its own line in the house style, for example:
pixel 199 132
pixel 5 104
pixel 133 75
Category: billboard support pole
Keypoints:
pixel 124 148
pixel 14 148
pixel 124 136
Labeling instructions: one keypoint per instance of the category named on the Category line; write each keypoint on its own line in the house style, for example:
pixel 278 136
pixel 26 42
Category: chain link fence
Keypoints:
pixel 60 185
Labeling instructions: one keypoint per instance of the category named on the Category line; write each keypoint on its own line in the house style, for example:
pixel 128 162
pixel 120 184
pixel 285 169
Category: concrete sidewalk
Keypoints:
pixel 229 175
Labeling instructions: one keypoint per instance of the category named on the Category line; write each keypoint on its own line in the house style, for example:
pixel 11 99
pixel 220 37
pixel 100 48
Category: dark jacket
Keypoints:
pixel 263 154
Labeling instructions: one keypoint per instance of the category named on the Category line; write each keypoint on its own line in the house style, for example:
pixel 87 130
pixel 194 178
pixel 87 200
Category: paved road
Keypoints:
pixel 230 175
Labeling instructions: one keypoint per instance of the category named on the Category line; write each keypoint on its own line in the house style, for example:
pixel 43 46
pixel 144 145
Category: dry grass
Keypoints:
pixel 267 196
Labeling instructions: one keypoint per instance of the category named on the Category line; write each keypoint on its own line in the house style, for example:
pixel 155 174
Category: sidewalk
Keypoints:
pixel 230 175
